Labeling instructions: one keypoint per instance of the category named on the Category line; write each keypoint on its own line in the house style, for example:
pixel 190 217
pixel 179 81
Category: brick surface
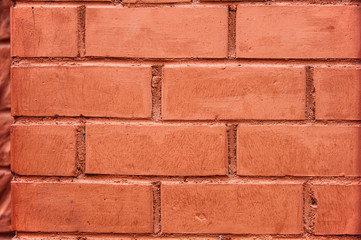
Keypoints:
pixel 44 31
pixel 101 91
pixel 81 207
pixel 338 209
pixel 338 93
pixel 43 150
pixel 180 32
pixel 298 150
pixel 156 149
pixel 298 32
pixel 232 208
pixel 5 209
pixel 233 92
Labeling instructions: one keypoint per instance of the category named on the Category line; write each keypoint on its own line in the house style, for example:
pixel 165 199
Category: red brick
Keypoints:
pixel 338 93
pixel 179 32
pixel 298 31
pixel 232 208
pixel 101 91
pixel 5 123
pixel 233 92
pixel 43 150
pixel 82 207
pixel 5 208
pixel 298 150
pixel 44 31
pixel 156 149
pixel 338 209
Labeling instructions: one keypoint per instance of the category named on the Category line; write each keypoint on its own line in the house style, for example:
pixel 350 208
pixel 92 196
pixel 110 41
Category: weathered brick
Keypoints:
pixel 43 149
pixel 298 31
pixel 338 93
pixel 156 149
pixel 81 207
pixel 298 150
pixel 233 92
pixel 101 91
pixel 44 31
pixel 5 209
pixel 232 208
pixel 338 209
pixel 179 32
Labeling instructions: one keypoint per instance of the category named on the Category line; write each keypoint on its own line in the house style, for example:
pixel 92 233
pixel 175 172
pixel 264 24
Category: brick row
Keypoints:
pixel 186 208
pixel 232 208
pixel 186 150
pixel 189 32
pixel 203 92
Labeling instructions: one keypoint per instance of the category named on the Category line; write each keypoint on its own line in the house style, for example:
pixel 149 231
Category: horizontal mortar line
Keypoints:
pixel 190 3
pixel 151 235
pixel 119 60
pixel 106 120
pixel 218 236
pixel 149 179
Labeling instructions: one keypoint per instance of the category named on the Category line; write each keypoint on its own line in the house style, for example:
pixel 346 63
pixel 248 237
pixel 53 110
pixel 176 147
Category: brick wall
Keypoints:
pixel 171 119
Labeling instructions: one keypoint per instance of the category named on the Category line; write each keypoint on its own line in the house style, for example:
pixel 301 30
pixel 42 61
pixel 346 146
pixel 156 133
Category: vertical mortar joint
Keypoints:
pixel 310 94
pixel 81 30
pixel 157 208
pixel 309 208
pixel 232 31
pixel 232 148
pixel 157 78
pixel 80 150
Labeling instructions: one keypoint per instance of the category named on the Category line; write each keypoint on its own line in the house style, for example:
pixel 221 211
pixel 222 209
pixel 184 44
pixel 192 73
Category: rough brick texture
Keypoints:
pixel 156 150
pixel 44 31
pixel 181 119
pixel 43 150
pixel 338 209
pixel 232 208
pixel 338 93
pixel 298 150
pixel 82 207
pixel 157 32
pixel 298 32
pixel 233 92
pixel 84 90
